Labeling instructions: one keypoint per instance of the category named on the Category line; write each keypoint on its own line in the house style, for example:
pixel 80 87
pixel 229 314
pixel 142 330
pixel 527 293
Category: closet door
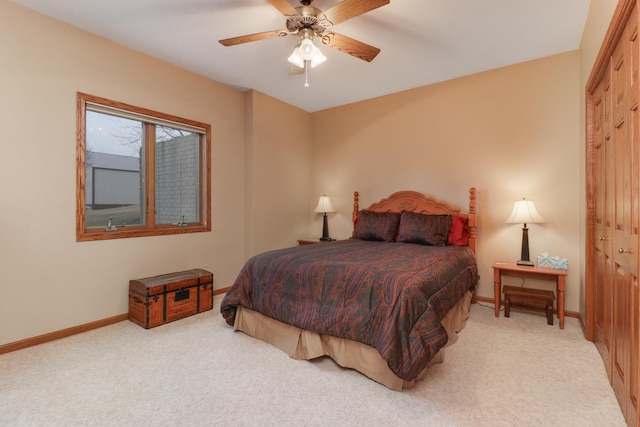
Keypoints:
pixel 633 45
pixel 625 220
pixel 633 301
pixel 613 206
pixel 603 213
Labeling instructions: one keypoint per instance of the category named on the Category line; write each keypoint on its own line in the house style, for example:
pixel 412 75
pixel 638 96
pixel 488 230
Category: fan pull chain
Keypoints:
pixel 306 73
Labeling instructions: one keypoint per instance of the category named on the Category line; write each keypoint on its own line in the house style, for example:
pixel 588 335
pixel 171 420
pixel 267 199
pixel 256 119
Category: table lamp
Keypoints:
pixel 324 206
pixel 524 212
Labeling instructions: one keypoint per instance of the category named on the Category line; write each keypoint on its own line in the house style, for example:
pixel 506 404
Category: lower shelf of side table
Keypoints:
pixel 542 300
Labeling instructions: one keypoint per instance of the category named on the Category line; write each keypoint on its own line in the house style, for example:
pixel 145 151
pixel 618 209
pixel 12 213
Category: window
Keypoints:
pixel 139 172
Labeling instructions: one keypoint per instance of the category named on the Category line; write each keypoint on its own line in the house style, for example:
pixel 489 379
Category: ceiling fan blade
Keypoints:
pixel 294 71
pixel 351 46
pixel 284 7
pixel 348 9
pixel 252 37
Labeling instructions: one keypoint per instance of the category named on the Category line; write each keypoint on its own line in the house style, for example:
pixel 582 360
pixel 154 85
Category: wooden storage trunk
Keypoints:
pixel 160 299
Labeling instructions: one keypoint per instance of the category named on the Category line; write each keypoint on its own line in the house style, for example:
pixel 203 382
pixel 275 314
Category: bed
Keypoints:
pixel 385 302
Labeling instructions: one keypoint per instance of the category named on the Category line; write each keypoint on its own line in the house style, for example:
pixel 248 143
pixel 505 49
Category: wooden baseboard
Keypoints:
pixel 41 339
pixel 221 291
pixel 52 336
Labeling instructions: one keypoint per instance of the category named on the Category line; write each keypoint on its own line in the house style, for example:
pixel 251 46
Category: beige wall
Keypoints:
pixel 600 14
pixel 278 150
pixel 512 132
pixel 48 281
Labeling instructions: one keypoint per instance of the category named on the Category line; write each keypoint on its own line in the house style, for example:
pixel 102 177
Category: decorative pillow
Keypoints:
pixel 380 226
pixel 459 235
pixel 424 229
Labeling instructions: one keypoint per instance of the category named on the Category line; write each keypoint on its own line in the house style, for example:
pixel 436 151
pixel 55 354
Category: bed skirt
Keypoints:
pixel 302 344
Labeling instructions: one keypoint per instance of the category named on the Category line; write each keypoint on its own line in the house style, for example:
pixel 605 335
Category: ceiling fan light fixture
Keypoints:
pixel 306 51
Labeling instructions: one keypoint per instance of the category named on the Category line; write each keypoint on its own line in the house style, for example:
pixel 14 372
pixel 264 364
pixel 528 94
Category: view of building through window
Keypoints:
pixel 140 172
pixel 114 168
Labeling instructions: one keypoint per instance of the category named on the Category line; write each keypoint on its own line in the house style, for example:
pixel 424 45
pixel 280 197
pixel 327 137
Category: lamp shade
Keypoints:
pixel 524 212
pixel 296 58
pixel 307 49
pixel 318 58
pixel 324 205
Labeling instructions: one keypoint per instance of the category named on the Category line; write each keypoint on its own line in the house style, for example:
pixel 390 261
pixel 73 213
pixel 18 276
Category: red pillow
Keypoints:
pixel 459 233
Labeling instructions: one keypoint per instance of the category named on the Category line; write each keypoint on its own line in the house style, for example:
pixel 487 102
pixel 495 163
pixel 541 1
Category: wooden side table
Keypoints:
pixel 303 242
pixel 512 269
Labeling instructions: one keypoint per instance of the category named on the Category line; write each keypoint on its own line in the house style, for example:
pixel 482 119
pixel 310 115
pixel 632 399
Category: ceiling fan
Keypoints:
pixel 308 23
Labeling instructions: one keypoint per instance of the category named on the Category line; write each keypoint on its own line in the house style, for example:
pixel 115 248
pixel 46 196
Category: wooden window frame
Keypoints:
pixel 149 228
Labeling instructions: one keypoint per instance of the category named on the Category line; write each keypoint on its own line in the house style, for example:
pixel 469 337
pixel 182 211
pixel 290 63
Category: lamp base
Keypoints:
pixel 524 253
pixel 325 229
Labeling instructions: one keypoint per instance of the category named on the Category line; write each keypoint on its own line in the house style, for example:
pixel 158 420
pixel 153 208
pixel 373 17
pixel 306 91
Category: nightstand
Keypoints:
pixel 303 242
pixel 539 273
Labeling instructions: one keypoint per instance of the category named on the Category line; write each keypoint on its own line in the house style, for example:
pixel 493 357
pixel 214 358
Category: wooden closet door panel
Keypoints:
pixel 621 276
pixel 631 36
pixel 620 349
pixel 631 389
pixel 631 252
pixel 626 220
pixel 622 223
pixel 633 135
pixel 603 169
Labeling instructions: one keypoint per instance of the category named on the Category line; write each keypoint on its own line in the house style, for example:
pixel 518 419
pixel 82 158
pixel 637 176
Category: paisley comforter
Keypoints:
pixel 389 295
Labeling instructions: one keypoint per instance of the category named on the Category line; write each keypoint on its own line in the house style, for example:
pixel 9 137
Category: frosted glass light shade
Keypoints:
pixel 318 58
pixel 296 59
pixel 306 51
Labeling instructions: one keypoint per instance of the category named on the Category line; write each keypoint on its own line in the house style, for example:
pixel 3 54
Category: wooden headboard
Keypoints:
pixel 422 203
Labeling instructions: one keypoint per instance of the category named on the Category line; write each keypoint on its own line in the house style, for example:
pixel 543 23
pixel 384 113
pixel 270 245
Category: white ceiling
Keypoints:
pixel 421 41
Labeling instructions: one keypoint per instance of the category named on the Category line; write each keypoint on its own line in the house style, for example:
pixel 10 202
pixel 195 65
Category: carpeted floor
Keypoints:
pixel 199 372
